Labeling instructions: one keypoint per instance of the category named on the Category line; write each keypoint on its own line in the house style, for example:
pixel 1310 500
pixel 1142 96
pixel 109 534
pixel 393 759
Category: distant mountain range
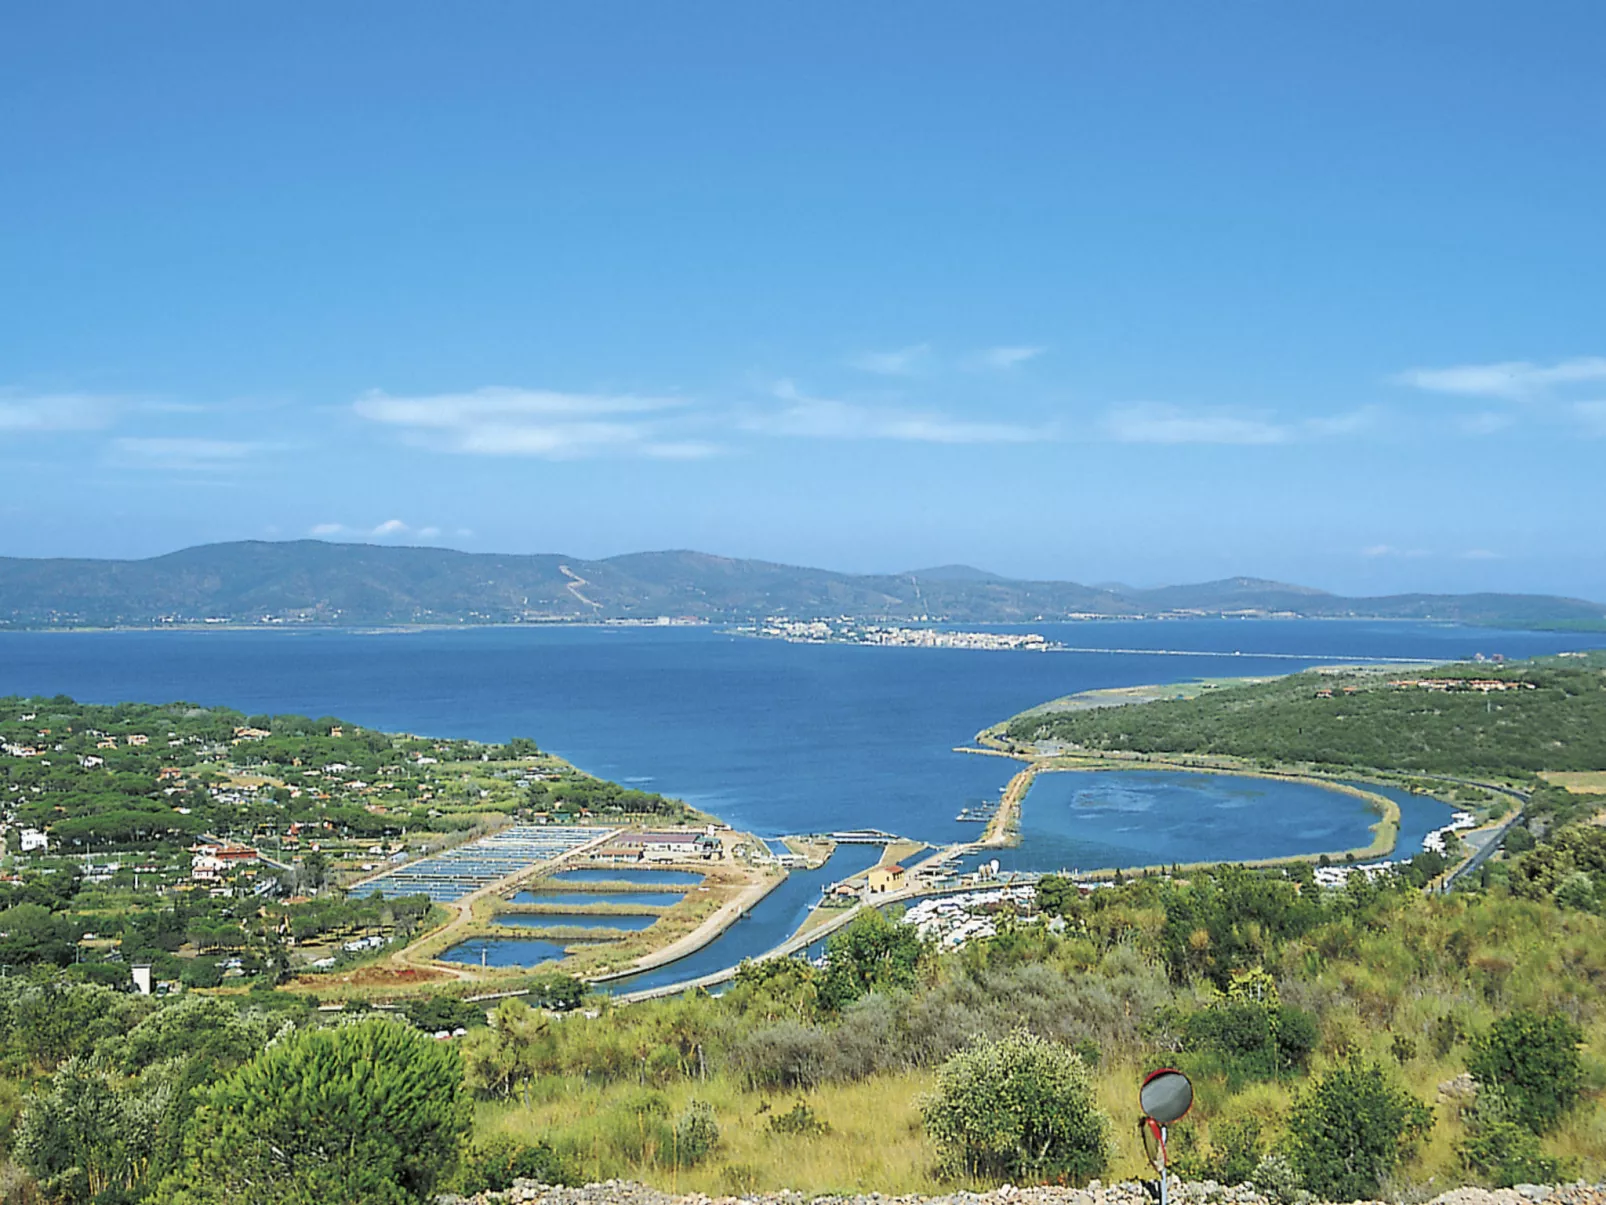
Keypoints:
pixel 308 581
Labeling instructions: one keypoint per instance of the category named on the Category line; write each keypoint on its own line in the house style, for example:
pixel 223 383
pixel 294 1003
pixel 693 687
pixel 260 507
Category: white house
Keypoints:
pixel 34 842
pixel 667 847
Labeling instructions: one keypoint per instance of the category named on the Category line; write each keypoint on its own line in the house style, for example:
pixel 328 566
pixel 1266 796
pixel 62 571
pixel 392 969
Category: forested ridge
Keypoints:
pixel 1363 719
pixel 309 581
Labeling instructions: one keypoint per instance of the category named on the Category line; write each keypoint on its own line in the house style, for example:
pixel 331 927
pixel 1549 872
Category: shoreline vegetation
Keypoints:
pixel 1283 998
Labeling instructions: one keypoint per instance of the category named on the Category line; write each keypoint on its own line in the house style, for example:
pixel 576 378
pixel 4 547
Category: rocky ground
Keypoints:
pixel 622 1192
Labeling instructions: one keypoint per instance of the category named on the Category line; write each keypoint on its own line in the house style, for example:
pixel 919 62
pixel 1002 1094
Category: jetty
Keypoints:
pixel 865 836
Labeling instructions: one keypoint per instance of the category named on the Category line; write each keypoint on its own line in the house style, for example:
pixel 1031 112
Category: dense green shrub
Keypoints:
pixel 696 1133
pixel 1235 1152
pixel 1350 1129
pixel 1501 1150
pixel 493 1165
pixel 1021 1108
pixel 1533 1058
pixel 1254 1040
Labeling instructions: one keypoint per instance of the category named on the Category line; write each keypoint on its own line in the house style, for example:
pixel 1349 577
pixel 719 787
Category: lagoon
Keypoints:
pixel 1091 819
pixel 773 737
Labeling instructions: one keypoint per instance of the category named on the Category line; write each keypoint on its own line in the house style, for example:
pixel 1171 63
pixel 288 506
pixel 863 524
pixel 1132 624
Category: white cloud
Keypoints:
pixel 822 418
pixel 903 362
pixel 1154 424
pixel 498 421
pixel 1388 550
pixel 389 529
pixel 1157 424
pixel 1509 380
pixel 185 452
pixel 55 411
pixel 1002 359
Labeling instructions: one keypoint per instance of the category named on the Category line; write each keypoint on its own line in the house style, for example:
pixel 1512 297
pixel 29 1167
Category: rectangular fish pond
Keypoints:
pixel 505 952
pixel 449 876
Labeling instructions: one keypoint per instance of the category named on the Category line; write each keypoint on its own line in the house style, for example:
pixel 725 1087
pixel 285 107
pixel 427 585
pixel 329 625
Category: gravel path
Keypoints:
pixel 624 1192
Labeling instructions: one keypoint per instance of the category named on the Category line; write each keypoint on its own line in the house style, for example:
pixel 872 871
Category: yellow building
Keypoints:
pixel 886 878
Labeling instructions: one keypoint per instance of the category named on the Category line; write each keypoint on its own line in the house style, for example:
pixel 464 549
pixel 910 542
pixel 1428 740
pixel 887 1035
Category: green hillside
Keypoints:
pixel 308 581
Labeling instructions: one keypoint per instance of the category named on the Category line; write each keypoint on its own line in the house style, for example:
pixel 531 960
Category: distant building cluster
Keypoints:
pixel 953 920
pixel 1434 842
pixel 848 631
pixel 1457 685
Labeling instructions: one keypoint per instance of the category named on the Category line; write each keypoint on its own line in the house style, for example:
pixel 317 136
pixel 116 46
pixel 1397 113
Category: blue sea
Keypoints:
pixel 780 738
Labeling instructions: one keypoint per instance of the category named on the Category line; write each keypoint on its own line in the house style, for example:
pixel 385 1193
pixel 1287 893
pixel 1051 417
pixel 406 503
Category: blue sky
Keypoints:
pixel 1126 291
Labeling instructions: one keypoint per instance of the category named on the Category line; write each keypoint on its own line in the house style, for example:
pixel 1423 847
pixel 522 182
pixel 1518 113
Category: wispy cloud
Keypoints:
pixel 1510 380
pixel 1158 424
pixel 1002 359
pixel 390 529
pixel 20 411
pixel 203 455
pixel 902 362
pixel 497 421
pixel 1480 554
pixel 823 418
pixel 1376 551
pixel 1155 424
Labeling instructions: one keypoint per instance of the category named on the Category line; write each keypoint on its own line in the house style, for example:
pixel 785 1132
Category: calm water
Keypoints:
pixel 772 737
pixel 1087 819
pixel 637 899
pixel 772 920
pixel 505 952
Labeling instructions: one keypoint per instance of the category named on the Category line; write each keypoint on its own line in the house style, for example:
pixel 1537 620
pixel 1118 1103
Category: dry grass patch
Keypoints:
pixel 1579 782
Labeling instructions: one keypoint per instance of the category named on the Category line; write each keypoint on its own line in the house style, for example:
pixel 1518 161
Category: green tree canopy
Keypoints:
pixel 372 1112
pixel 1533 1058
pixel 1350 1129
